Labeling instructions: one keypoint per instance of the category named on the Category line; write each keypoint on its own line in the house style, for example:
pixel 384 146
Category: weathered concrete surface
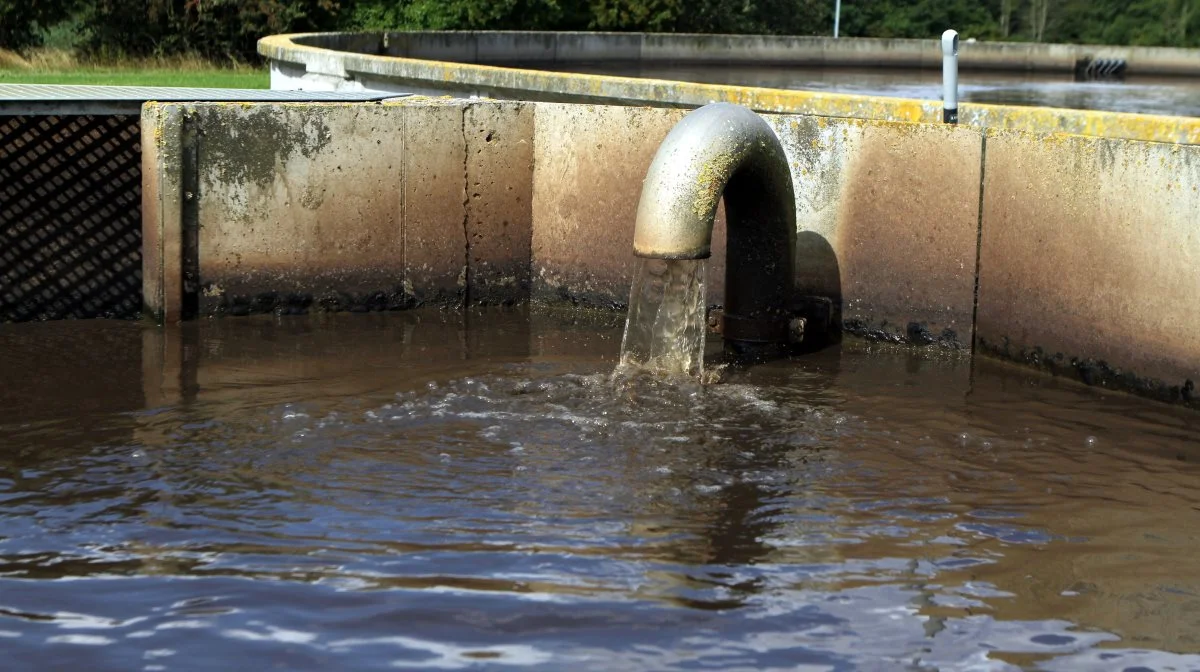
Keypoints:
pixel 887 217
pixel 589 163
pixel 162 202
pixel 587 171
pixel 779 50
pixel 1086 256
pixel 338 206
pixel 491 47
pixel 299 205
pixel 594 47
pixel 434 202
pixel 1089 259
pixel 441 46
pixel 295 63
pixel 500 201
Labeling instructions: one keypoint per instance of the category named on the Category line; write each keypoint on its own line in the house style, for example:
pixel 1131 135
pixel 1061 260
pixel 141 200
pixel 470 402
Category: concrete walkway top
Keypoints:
pixel 22 99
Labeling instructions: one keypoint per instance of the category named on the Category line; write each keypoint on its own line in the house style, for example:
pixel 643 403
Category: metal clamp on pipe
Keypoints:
pixel 809 323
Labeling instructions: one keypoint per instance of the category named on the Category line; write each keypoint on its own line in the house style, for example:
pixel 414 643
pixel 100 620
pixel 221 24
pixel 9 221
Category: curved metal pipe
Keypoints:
pixel 724 149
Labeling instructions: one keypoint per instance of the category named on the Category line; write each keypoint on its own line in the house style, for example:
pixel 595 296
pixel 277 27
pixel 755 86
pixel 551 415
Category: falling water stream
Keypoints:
pixel 665 330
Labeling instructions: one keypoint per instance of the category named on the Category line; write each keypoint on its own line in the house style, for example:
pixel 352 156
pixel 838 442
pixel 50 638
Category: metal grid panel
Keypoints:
pixel 70 217
pixel 58 99
pixel 75 92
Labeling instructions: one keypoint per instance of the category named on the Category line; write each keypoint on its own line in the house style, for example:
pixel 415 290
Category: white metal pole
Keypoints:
pixel 950 77
pixel 837 17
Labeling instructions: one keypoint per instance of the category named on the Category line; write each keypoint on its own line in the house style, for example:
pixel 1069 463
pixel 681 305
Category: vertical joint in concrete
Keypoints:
pixel 189 300
pixel 498 139
pixel 162 212
pixel 978 243
pixel 465 280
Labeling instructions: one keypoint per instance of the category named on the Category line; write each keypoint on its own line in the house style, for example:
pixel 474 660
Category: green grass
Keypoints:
pixel 213 77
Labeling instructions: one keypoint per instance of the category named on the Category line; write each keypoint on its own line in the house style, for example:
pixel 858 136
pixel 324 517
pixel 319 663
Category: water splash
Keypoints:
pixel 665 330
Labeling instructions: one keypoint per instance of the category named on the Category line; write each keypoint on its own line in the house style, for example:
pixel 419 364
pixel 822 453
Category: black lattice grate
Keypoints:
pixel 70 217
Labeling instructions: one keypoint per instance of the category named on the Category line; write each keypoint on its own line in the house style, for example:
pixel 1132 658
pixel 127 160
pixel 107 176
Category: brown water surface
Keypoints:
pixel 442 490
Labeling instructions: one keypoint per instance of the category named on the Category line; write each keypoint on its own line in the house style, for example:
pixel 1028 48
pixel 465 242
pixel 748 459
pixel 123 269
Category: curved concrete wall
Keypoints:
pixel 505 47
pixel 387 62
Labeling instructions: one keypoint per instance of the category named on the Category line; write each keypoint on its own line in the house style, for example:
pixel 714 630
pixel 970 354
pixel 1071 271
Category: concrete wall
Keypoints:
pixel 892 211
pixel 332 206
pixel 1068 253
pixel 162 211
pixel 387 63
pixel 587 177
pixel 865 193
pixel 1090 260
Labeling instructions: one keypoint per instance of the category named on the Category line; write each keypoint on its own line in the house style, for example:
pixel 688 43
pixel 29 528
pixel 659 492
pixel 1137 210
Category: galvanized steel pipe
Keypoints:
pixel 725 150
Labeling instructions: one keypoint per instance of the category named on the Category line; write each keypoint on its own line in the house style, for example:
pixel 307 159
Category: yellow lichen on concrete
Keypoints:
pixel 1147 127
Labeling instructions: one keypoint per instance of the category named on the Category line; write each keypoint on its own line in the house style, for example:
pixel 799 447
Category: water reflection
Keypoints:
pixel 443 490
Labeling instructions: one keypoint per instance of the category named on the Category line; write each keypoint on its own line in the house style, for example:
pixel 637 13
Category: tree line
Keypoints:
pixel 229 29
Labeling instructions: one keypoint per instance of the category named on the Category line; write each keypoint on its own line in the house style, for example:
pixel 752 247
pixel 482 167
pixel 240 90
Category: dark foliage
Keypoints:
pixel 21 20
pixel 230 28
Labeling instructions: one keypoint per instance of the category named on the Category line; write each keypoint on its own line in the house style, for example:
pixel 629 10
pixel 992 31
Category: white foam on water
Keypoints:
pixel 74 621
pixel 273 634
pixel 450 657
pixel 190 624
pixel 81 640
